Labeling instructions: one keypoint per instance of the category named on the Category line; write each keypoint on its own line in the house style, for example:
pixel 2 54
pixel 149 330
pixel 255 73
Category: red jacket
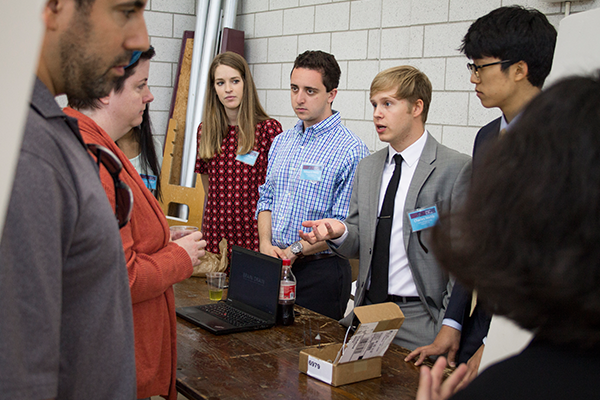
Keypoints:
pixel 154 265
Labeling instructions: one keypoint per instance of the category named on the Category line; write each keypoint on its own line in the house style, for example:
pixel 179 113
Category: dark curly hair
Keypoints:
pixel 325 63
pixel 528 235
pixel 515 34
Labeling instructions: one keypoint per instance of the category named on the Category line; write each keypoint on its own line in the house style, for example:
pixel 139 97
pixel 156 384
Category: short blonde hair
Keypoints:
pixel 411 85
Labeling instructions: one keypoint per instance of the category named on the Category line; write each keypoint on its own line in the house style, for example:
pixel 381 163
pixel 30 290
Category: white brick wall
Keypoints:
pixel 366 36
pixel 269 24
pixel 166 21
pixel 174 6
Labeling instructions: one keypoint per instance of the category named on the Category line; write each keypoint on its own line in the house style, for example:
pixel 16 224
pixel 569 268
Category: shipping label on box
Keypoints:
pixel 367 344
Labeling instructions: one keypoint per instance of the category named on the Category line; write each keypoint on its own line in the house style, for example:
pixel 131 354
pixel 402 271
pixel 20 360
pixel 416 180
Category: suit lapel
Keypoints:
pixel 425 167
pixel 486 137
pixel 375 188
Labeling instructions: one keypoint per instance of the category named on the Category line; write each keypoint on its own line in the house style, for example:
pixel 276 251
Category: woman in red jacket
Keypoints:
pixel 154 262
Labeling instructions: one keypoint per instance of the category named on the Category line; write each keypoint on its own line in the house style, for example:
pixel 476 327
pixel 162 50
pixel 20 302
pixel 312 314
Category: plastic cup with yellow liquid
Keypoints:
pixel 216 284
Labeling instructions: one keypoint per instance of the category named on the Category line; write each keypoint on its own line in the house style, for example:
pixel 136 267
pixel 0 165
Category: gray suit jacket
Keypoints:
pixel 441 178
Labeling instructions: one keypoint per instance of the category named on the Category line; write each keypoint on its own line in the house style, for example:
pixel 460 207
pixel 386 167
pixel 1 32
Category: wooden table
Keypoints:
pixel 264 364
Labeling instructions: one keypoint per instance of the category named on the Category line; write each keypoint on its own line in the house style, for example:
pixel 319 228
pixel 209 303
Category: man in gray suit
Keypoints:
pixel 418 178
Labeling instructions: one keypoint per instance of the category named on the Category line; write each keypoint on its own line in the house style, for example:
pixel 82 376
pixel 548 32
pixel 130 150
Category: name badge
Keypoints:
pixel 249 158
pixel 423 218
pixel 149 181
pixel 311 172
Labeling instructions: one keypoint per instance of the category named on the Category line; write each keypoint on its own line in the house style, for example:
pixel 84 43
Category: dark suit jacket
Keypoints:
pixel 475 327
pixel 441 178
pixel 542 371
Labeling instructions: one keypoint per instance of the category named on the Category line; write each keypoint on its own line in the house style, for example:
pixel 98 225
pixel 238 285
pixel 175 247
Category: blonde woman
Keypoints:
pixel 233 146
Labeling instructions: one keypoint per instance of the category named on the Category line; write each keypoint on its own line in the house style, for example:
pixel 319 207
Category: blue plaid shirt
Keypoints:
pixel 292 200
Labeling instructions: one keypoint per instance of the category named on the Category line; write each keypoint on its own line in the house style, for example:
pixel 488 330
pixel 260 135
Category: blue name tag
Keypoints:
pixel 249 158
pixel 311 172
pixel 423 218
pixel 149 181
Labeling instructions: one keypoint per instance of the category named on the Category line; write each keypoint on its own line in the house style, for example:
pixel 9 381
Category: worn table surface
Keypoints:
pixel 264 364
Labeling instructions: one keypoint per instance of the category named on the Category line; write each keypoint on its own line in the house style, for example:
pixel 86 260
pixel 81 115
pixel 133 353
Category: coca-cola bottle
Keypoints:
pixel 287 295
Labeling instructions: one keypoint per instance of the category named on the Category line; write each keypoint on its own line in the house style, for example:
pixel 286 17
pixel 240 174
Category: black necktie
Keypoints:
pixel 378 291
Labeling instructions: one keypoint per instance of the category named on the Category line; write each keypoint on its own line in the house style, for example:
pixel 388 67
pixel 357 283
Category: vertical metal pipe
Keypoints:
pixel 229 13
pixel 201 21
pixel 193 120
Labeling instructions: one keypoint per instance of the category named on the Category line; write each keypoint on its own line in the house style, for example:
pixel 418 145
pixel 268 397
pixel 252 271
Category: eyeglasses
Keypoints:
pixel 123 194
pixel 474 69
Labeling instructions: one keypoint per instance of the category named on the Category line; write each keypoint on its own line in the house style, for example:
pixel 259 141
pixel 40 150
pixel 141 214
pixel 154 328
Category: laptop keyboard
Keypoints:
pixel 233 316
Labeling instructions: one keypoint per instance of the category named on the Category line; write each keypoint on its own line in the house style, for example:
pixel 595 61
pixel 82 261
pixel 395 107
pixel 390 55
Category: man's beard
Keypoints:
pixel 82 71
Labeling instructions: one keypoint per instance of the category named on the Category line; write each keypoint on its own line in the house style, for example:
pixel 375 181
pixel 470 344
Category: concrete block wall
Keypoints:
pixel 366 36
pixel 166 21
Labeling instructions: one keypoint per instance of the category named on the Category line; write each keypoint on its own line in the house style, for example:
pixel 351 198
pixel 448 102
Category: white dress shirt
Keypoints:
pixel 400 282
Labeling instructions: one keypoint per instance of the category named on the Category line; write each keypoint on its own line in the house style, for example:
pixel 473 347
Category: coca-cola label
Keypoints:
pixel 287 291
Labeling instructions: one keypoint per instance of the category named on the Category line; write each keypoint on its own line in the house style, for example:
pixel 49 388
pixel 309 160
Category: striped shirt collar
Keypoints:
pixel 319 128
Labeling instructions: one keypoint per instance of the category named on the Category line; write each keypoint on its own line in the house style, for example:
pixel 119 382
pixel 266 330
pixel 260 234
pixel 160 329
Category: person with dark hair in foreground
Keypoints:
pixel 66 327
pixel 527 240
pixel 511 49
pixel 138 144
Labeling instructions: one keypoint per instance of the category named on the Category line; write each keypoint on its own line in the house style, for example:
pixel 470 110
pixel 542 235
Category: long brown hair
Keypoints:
pixel 214 119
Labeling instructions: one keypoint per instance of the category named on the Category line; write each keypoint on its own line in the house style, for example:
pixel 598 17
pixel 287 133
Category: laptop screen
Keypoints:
pixel 254 279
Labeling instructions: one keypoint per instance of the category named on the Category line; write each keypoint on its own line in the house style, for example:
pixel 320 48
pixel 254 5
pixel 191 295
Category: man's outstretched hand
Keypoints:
pixel 446 341
pixel 322 229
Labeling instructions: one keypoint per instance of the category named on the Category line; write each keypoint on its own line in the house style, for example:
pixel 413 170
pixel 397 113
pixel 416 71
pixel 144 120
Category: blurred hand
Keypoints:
pixel 272 251
pixel 323 229
pixel 472 368
pixel 430 381
pixel 193 245
pixel 446 341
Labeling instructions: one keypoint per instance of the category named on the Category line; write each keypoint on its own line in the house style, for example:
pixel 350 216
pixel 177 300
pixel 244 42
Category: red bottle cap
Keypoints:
pixel 287 262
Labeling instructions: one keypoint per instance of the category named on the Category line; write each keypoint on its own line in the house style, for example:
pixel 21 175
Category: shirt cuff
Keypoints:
pixel 260 208
pixel 339 241
pixel 484 339
pixel 452 324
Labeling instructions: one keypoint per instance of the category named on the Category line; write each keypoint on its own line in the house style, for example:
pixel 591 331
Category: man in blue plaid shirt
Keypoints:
pixel 310 174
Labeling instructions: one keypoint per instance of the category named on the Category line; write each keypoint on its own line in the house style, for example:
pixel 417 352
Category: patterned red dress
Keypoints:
pixel 233 190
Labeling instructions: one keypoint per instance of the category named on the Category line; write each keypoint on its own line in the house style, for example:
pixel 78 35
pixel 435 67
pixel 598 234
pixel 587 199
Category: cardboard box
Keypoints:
pixel 361 358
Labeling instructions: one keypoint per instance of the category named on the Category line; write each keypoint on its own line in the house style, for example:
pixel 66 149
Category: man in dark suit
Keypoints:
pixel 402 187
pixel 511 49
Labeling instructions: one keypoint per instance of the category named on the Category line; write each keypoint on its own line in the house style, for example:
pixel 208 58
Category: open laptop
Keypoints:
pixel 251 299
